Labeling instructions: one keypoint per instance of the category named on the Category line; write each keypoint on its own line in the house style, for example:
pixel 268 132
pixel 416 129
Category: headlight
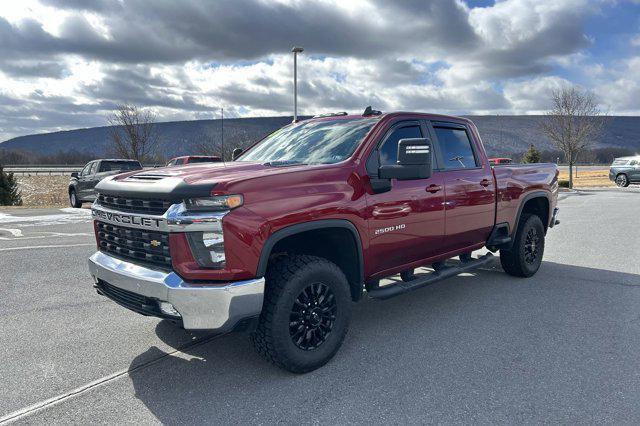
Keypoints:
pixel 207 248
pixel 214 203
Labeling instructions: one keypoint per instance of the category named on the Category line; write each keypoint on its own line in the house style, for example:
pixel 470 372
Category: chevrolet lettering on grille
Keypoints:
pixel 127 219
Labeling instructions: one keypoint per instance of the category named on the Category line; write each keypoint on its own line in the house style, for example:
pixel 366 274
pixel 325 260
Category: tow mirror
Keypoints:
pixel 236 153
pixel 74 174
pixel 414 161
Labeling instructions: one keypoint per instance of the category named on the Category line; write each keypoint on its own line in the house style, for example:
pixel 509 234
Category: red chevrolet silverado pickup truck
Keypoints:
pixel 308 220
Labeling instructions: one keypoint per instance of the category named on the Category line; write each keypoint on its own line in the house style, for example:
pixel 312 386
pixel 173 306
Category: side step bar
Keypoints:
pixel 393 290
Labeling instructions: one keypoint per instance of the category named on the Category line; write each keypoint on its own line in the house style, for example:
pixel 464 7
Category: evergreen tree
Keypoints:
pixel 532 155
pixel 9 193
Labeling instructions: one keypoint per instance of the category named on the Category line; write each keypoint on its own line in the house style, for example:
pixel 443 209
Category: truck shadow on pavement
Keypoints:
pixel 547 347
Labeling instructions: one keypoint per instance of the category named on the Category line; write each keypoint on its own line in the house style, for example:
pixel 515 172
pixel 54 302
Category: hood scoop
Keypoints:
pixel 148 176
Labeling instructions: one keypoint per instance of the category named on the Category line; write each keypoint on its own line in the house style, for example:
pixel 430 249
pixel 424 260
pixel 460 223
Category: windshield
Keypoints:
pixel 311 142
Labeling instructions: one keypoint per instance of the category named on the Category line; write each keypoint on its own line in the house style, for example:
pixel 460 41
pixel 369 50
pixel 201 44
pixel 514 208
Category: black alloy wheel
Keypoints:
pixel 531 246
pixel 312 316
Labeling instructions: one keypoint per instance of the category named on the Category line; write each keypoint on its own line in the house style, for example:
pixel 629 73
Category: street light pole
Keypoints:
pixel 295 51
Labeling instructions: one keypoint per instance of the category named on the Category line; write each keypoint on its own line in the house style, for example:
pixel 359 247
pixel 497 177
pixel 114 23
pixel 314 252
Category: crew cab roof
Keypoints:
pixel 408 114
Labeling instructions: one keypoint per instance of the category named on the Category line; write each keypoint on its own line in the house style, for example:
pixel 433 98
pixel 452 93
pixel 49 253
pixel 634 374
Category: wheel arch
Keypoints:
pixel 537 202
pixel 324 234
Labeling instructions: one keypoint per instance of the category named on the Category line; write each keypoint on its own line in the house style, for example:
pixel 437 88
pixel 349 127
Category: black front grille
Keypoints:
pixel 135 205
pixel 136 302
pixel 149 248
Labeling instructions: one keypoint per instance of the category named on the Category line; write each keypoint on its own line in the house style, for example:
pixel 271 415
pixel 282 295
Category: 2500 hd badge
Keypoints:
pixel 126 219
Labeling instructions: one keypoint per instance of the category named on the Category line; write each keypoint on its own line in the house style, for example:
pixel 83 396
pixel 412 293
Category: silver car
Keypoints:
pixel 625 170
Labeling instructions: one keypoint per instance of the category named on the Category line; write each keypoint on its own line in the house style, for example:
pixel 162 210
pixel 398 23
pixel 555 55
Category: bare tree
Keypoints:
pixel 209 143
pixel 573 123
pixel 134 133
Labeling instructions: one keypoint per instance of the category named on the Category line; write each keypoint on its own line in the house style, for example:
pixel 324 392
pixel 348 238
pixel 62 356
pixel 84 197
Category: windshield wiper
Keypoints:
pixel 282 163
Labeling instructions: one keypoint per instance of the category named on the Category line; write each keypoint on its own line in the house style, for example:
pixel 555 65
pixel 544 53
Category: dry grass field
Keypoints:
pixel 44 191
pixel 588 178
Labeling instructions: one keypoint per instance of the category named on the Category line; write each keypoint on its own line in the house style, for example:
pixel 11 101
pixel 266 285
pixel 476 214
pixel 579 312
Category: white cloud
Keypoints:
pixel 65 63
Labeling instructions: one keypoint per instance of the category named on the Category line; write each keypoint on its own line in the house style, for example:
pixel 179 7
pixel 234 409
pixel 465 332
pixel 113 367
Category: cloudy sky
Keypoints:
pixel 65 64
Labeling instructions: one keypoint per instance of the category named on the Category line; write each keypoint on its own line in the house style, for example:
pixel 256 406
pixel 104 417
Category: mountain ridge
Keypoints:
pixel 502 135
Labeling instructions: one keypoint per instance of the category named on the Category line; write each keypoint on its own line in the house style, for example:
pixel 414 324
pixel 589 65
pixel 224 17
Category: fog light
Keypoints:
pixel 208 248
pixel 168 309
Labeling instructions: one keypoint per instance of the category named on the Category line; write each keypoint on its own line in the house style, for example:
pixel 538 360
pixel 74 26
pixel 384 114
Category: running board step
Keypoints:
pixel 393 290
pixel 497 241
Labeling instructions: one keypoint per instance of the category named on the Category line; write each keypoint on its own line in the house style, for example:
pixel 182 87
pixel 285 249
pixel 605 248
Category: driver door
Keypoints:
pixel 406 223
pixel 84 180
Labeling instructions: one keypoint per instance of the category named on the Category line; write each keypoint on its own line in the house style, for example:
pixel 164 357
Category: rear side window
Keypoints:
pixel 389 150
pixel 456 149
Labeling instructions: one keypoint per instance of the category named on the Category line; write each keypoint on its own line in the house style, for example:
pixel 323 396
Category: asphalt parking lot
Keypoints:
pixel 480 348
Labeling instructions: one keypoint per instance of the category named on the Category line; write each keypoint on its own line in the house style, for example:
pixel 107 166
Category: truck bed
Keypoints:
pixel 514 181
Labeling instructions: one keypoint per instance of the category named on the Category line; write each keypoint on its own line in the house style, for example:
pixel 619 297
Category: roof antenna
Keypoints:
pixel 222 136
pixel 368 111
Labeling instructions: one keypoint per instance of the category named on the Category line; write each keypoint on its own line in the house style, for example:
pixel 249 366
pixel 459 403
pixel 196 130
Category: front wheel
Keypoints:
pixel 73 199
pixel 622 180
pixel 306 313
pixel 525 256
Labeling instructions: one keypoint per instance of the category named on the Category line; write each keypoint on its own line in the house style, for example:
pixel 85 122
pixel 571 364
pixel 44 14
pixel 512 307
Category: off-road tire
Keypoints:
pixel 74 201
pixel 518 261
pixel 286 279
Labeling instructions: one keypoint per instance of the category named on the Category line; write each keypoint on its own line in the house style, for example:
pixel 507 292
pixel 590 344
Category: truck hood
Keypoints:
pixel 199 172
pixel 197 180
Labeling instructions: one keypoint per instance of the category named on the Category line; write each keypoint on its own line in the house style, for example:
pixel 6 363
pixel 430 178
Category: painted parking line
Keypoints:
pixel 43 247
pixel 43 405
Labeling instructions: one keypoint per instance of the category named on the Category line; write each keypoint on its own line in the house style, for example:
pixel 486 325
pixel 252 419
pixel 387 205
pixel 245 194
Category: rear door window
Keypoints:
pixel 455 146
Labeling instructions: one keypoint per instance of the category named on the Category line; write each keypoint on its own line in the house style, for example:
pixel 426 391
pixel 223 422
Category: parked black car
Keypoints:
pixel 625 170
pixel 81 184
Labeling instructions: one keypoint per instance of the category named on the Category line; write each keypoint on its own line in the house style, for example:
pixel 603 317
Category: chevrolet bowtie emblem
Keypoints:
pixel 154 243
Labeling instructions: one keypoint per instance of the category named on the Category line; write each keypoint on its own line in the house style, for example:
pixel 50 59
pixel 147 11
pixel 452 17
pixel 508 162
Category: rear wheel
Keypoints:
pixel 622 180
pixel 306 313
pixel 525 257
pixel 73 199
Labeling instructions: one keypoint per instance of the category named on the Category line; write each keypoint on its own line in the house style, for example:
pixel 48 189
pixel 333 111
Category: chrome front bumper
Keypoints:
pixel 210 307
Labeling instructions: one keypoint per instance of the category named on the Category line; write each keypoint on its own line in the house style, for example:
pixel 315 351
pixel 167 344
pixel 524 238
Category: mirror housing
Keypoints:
pixel 74 175
pixel 415 161
pixel 236 153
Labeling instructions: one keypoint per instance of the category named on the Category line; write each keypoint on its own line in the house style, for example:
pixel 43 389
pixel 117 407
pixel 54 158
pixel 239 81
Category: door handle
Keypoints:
pixel 433 188
pixel 391 212
pixel 485 182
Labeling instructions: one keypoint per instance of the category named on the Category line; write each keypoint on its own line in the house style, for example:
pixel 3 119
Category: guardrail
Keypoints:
pixel 51 170
pixel 37 169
